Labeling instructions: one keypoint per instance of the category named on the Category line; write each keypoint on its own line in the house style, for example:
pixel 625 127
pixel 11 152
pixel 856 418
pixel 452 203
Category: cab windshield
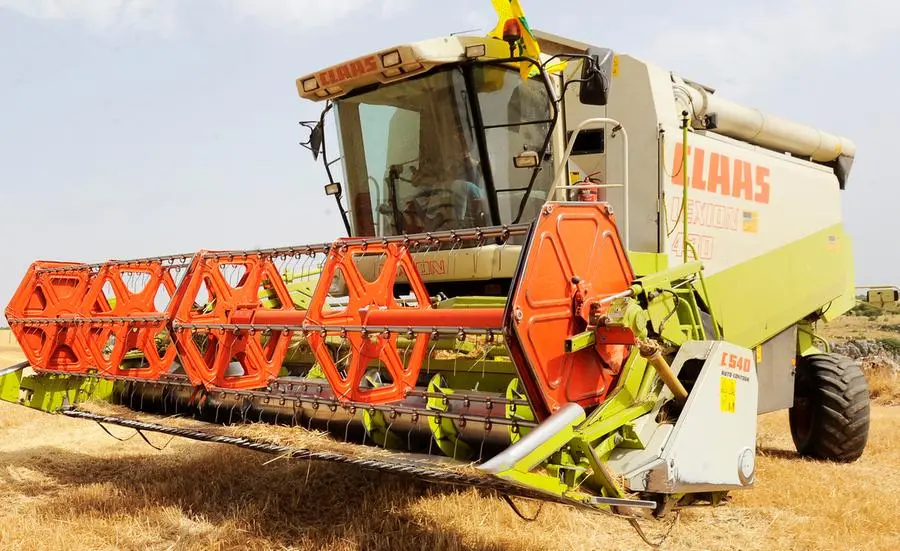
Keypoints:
pixel 435 153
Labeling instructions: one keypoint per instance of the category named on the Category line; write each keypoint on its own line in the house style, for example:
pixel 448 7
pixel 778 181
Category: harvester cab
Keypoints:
pixel 515 292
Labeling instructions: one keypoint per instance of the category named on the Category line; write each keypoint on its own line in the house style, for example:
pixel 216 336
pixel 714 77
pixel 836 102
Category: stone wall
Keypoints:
pixel 870 352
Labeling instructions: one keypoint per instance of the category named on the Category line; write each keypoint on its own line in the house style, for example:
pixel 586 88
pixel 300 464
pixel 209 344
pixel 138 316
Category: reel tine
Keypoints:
pixel 484 435
pixel 415 419
pixel 347 429
pixel 310 420
pixel 245 408
pixel 330 417
pixel 431 353
pixel 431 439
pixel 387 429
pixel 460 338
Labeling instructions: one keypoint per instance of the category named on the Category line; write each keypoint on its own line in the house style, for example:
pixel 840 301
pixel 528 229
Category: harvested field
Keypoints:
pixel 67 485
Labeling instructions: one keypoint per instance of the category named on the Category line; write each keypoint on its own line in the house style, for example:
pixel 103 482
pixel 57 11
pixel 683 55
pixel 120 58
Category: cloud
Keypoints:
pixel 301 14
pixel 768 40
pixel 102 15
pixel 162 16
pixel 390 8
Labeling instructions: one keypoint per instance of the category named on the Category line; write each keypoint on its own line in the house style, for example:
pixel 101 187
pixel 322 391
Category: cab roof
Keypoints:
pixel 398 63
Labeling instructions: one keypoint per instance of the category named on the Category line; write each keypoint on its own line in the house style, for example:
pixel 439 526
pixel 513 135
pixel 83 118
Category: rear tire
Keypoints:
pixel 830 416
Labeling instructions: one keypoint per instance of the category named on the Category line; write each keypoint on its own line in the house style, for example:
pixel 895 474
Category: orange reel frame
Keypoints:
pixel 571 265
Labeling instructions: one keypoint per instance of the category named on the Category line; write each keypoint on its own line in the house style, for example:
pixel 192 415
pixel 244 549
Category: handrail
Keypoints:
pixel 563 167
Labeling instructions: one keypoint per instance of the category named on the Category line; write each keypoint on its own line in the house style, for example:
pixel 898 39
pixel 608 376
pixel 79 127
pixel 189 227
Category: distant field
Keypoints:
pixel 67 485
pixel 860 327
pixel 10 352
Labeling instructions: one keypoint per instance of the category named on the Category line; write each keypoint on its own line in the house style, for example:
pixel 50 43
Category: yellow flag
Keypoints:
pixel 527 44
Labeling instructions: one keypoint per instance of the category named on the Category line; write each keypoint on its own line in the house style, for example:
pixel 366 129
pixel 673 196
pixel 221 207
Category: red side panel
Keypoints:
pixel 571 242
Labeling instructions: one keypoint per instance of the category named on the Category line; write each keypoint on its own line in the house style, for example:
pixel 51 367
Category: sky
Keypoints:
pixel 134 128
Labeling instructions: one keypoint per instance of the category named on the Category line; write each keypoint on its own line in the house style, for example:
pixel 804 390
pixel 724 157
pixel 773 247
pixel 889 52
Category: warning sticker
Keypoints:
pixel 727 394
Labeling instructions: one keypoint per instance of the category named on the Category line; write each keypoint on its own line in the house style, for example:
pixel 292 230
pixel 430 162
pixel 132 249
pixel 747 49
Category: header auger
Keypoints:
pixel 514 306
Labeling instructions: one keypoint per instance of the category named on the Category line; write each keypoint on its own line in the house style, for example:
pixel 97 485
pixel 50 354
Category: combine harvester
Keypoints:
pixel 884 297
pixel 515 305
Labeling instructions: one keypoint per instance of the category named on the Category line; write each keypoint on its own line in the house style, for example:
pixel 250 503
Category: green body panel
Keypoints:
pixel 808 341
pixel 760 297
pixel 9 387
pixel 644 264
pixel 670 303
pixel 49 393
pixel 847 301
pixel 522 471
pixel 444 430
pixel 580 341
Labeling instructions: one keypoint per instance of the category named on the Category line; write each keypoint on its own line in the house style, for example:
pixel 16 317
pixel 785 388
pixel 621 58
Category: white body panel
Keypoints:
pixel 713 444
pixel 742 201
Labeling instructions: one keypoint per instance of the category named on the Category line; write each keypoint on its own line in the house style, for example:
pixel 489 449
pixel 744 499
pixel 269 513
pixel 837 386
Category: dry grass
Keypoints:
pixel 66 485
pixel 884 385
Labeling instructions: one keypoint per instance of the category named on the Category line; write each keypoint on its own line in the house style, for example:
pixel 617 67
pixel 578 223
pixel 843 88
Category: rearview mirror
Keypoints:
pixel 596 75
pixel 315 140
